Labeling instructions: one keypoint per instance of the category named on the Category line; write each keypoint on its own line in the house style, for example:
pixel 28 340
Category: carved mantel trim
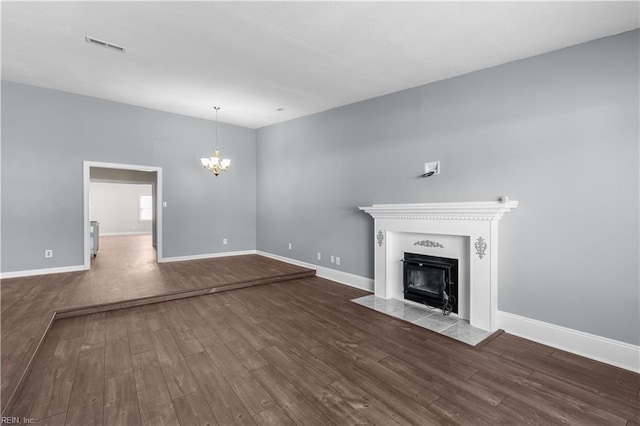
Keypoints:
pixel 473 210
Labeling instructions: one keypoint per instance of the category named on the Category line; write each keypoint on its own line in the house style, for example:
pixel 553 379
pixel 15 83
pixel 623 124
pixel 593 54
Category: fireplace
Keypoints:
pixel 431 280
pixel 471 226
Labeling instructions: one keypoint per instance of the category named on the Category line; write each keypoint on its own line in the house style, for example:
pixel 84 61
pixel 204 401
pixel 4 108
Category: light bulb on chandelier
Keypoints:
pixel 214 164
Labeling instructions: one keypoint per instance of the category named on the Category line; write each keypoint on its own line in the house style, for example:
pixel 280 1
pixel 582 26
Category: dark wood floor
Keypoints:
pixel 125 269
pixel 299 352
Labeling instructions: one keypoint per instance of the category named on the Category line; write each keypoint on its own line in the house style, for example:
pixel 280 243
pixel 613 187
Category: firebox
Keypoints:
pixel 431 280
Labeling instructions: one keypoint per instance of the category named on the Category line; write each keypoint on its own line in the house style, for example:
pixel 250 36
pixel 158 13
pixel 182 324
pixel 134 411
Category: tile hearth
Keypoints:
pixel 424 317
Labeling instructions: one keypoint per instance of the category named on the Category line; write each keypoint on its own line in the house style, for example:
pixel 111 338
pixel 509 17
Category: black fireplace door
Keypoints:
pixel 431 280
pixel 425 279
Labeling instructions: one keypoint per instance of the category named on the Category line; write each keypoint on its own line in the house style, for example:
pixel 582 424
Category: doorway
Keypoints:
pixel 124 175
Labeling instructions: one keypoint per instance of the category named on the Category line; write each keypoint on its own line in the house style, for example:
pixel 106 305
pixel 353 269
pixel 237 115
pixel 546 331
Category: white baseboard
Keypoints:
pixel 287 260
pixel 206 256
pixel 609 351
pixel 352 280
pixel 119 234
pixel 19 274
pixel 46 271
pixel 341 277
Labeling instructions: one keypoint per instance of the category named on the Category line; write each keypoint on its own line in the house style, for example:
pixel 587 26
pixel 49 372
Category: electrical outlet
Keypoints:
pixel 48 253
pixel 224 241
pixel 164 204
pixel 319 256
pixel 290 246
pixel 333 259
pixel 337 260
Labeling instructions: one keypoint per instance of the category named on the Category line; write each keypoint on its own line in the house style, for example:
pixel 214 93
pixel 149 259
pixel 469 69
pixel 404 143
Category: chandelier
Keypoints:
pixel 214 164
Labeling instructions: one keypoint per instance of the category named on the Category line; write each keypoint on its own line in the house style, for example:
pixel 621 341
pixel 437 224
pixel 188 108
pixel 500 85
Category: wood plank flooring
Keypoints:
pixel 124 269
pixel 299 352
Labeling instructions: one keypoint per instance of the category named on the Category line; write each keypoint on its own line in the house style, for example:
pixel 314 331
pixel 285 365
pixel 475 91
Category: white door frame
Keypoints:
pixel 86 184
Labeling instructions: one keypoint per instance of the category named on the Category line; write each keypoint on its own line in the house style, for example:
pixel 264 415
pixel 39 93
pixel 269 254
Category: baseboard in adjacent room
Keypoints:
pixel 120 234
pixel 609 351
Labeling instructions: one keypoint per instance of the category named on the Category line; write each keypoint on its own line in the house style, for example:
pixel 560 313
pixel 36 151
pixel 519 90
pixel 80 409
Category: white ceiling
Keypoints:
pixel 252 58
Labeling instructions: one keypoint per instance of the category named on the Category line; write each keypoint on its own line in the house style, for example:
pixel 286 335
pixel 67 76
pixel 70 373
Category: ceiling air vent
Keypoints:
pixel 106 44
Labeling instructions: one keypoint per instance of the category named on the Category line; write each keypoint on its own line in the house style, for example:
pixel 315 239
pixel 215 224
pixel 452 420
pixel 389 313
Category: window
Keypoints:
pixel 145 210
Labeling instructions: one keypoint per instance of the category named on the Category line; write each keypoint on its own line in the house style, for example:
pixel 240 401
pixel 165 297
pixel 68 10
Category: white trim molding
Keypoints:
pixel 287 260
pixel 470 210
pixel 352 280
pixel 609 351
pixel 45 271
pixel 206 256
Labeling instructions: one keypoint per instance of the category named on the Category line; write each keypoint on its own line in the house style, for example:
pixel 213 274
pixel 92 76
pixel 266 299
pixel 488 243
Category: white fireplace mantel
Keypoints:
pixel 475 222
pixel 474 210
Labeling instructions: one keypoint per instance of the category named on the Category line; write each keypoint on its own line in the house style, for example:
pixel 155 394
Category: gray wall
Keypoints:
pixel 558 132
pixel 46 135
pixel 116 207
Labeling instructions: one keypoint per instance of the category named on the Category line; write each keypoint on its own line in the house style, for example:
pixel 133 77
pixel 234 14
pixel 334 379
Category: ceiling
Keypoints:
pixel 253 58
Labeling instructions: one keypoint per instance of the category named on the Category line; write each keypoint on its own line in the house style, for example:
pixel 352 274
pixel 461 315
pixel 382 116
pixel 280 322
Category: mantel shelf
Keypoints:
pixel 474 210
